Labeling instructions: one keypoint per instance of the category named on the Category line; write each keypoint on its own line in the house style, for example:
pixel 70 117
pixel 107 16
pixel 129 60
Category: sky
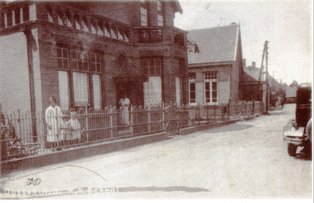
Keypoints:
pixel 286 24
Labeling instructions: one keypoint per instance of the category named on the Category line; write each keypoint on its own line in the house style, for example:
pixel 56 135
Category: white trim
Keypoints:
pixel 192 103
pixel 236 44
pixel 210 81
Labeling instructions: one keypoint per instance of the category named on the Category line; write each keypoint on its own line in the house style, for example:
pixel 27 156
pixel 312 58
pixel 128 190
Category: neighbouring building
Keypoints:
pixel 91 54
pixel 253 85
pixel 251 88
pixel 291 92
pixel 215 65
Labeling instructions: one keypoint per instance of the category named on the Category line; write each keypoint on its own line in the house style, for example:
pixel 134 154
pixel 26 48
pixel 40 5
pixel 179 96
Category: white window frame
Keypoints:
pixel 210 78
pixel 64 89
pixel 192 81
pixel 80 90
pixel 144 16
pixel 160 20
pixel 96 91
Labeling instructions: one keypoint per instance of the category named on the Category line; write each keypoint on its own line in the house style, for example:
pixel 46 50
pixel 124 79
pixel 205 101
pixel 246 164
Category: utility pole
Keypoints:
pixel 267 86
pixel 265 56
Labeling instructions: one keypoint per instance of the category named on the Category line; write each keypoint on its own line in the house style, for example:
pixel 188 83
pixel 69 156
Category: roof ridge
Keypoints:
pixel 208 28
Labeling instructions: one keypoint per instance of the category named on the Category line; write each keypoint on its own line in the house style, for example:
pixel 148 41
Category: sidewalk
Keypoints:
pixel 102 148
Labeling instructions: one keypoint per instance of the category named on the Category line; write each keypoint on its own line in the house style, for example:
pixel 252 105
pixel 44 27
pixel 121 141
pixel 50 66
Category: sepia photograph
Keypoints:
pixel 156 99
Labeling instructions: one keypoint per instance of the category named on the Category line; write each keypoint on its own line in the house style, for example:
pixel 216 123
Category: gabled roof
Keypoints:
pixel 254 73
pixel 217 44
pixel 177 6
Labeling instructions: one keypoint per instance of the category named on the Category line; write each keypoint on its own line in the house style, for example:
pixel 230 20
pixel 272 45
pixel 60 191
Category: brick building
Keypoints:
pixel 91 54
pixel 253 89
pixel 215 65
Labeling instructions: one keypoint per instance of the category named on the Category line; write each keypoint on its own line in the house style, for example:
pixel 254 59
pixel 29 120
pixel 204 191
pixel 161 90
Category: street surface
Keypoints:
pixel 247 159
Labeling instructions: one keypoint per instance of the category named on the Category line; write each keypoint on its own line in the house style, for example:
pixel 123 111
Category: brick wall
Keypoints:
pixel 48 36
pixel 236 73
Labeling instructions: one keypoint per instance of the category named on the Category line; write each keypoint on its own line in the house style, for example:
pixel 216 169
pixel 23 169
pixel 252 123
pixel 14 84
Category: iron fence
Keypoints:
pixel 30 134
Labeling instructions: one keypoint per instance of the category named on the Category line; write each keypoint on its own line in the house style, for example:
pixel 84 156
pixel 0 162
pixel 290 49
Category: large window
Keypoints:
pixel 210 87
pixel 95 62
pixel 96 91
pixel 160 15
pixel 79 60
pixel 153 91
pixel 192 88
pixel 144 13
pixel 63 58
pixel 79 78
pixel 63 81
pixel 152 67
pixel 80 87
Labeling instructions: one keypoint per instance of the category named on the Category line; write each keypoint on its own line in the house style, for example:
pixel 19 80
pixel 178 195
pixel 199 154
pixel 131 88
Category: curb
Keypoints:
pixel 80 152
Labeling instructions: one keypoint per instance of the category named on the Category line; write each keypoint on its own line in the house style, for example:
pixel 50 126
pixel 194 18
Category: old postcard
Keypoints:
pixel 156 99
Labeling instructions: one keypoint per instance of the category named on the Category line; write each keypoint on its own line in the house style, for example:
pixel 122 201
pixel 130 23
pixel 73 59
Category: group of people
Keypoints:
pixel 61 130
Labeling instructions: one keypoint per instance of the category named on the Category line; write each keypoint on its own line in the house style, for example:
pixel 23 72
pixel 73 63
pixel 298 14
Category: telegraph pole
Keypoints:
pixel 265 56
pixel 266 80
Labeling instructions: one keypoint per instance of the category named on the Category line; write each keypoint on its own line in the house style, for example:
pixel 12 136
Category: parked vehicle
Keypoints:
pixel 296 133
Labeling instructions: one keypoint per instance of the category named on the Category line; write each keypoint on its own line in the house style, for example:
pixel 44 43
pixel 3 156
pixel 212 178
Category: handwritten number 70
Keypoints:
pixel 33 181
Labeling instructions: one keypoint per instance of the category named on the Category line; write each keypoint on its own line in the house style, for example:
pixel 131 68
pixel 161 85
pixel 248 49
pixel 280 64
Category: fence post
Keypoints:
pixel 163 117
pixel 215 112
pixel 111 122
pixel 131 119
pixel 228 111
pixel 179 118
pixel 221 112
pixel 199 115
pixel 207 120
pixel 19 122
pixel 149 119
pixel 86 123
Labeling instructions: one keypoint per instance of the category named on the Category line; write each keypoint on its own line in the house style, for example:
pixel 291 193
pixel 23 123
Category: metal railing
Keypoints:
pixel 86 126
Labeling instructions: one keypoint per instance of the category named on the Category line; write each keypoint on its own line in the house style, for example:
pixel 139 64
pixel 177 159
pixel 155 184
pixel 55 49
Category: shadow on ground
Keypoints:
pixel 234 127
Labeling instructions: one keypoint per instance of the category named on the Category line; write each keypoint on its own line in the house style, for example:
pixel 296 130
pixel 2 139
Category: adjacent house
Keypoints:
pixel 215 65
pixel 252 88
pixel 253 85
pixel 91 54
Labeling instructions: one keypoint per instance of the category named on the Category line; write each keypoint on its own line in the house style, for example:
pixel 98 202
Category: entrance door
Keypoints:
pixel 133 90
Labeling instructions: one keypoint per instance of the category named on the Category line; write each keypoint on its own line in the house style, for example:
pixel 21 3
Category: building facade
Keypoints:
pixel 253 86
pixel 215 65
pixel 91 54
